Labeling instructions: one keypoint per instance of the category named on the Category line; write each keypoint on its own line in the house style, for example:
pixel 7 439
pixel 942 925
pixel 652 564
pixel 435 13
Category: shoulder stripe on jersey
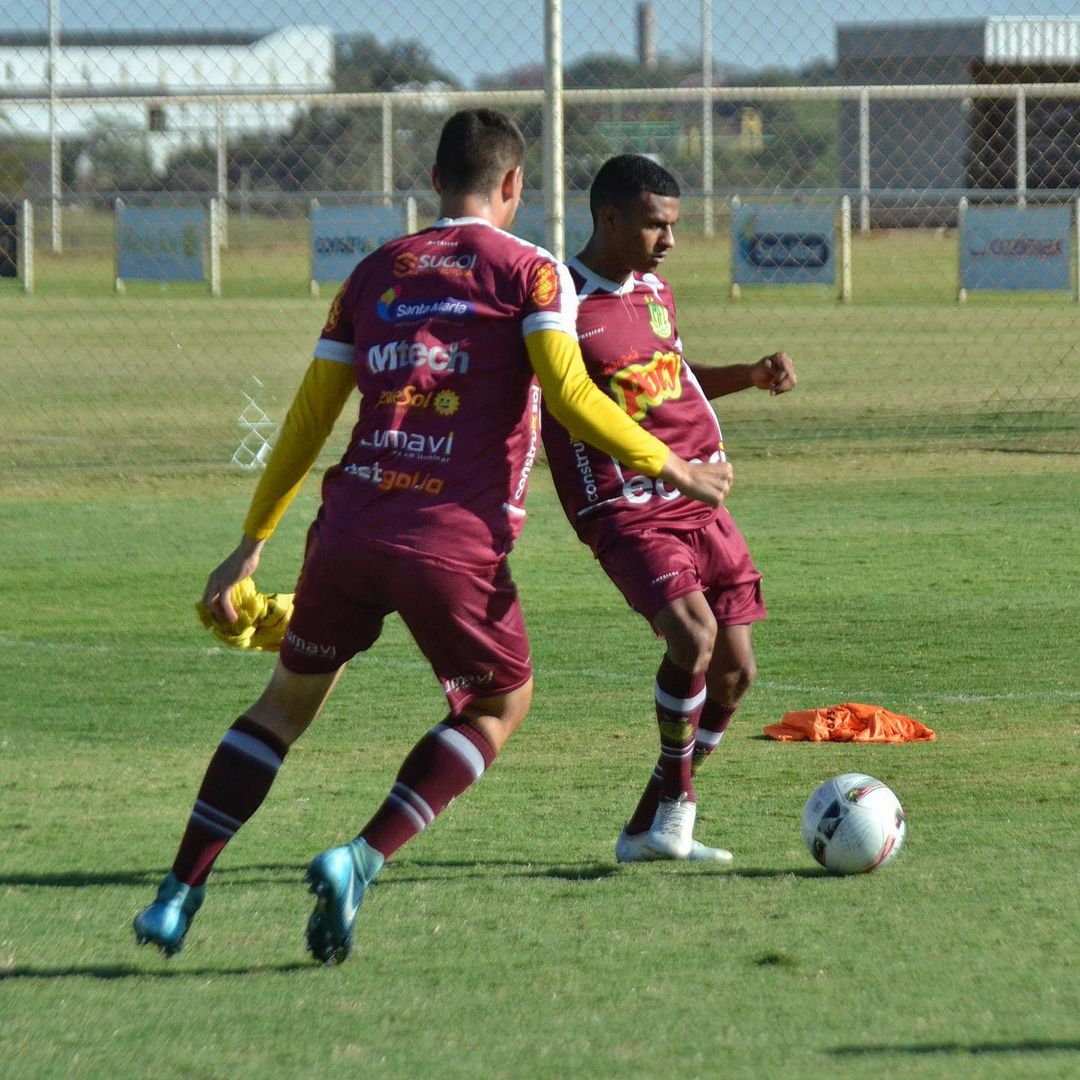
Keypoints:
pixel 327 349
pixel 549 320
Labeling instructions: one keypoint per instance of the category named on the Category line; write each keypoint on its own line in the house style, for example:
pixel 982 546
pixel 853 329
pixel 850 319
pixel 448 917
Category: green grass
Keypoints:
pixel 505 942
pixel 153 381
pixel 917 551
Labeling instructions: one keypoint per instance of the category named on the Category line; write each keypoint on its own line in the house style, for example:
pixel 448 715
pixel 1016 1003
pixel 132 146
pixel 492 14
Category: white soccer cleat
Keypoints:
pixel 671 835
pixel 635 849
pixel 672 832
pixel 703 853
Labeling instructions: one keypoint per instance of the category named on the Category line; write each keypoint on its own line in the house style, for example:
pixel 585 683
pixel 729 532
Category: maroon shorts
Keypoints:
pixel 655 567
pixel 468 625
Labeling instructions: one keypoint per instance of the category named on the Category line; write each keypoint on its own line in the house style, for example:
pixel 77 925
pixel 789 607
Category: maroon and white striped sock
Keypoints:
pixel 237 780
pixel 679 696
pixel 711 727
pixel 448 759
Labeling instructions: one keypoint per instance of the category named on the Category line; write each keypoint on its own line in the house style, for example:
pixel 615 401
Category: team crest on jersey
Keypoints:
pixel 335 312
pixel 640 387
pixel 545 285
pixel 405 263
pixel 659 319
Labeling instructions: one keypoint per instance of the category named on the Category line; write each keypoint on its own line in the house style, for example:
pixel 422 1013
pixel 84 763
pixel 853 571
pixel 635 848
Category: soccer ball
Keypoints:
pixel 853 823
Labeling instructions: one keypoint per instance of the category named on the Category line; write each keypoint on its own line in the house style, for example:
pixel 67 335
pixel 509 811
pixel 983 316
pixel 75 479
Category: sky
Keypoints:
pixel 471 39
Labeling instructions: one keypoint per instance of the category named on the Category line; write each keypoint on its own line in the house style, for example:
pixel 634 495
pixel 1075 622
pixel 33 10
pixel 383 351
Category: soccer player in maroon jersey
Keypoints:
pixel 449 335
pixel 682 565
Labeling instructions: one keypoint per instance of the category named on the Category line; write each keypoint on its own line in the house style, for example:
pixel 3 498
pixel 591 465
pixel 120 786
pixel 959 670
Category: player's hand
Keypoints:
pixel 708 482
pixel 774 373
pixel 239 565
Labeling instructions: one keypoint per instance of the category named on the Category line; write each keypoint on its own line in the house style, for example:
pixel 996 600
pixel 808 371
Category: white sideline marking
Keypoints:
pixel 587 673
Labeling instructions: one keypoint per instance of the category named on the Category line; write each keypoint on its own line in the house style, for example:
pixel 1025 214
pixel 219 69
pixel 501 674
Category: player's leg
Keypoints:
pixel 731 674
pixel 663 819
pixel 446 761
pixel 471 629
pixel 237 780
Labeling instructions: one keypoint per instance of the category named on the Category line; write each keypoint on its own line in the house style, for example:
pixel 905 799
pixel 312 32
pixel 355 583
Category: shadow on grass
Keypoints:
pixel 400 872
pixel 1023 1046
pixel 128 971
pixel 268 872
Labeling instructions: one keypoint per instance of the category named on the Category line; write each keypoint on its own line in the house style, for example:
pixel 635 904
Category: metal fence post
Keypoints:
pixel 554 183
pixel 707 116
pixel 864 160
pixel 222 177
pixel 387 150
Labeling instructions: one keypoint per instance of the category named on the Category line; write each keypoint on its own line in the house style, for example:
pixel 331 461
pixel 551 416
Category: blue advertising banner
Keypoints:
pixel 343 235
pixel 783 245
pixel 531 222
pixel 160 243
pixel 1009 247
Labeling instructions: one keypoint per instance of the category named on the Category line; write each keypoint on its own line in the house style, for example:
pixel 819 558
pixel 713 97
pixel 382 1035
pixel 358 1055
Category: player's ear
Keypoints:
pixel 512 183
pixel 436 183
pixel 608 220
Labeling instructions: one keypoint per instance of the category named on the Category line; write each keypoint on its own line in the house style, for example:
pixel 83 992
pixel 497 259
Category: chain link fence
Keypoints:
pixel 266 114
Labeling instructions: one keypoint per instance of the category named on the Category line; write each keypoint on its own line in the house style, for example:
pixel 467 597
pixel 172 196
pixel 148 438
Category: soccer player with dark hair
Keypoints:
pixel 449 335
pixel 682 565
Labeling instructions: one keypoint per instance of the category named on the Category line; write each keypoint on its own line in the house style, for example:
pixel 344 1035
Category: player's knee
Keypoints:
pixel 736 680
pixel 498 717
pixel 691 645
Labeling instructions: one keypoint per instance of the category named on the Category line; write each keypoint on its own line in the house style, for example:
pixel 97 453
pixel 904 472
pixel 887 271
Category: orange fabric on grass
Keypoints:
pixel 850 722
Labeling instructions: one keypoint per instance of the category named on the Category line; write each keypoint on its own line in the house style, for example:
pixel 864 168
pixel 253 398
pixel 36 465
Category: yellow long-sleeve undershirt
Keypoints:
pixel 325 388
pixel 571 396
pixel 584 409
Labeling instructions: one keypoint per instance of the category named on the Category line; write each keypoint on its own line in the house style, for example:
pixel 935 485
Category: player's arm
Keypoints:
pixel 323 392
pixel 582 408
pixel 775 373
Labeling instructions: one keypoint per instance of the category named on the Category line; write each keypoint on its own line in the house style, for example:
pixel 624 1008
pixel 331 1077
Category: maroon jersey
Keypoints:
pixel 633 352
pixel 449 428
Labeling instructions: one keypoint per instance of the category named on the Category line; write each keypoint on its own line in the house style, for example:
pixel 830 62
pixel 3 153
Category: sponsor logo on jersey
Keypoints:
pixel 642 489
pixel 392 309
pixel 534 443
pixel 460 264
pixel 640 387
pixel 334 317
pixel 403 354
pixel 396 479
pixel 412 444
pixel 585 471
pixel 659 319
pixel 591 333
pixel 545 285
pixel 444 402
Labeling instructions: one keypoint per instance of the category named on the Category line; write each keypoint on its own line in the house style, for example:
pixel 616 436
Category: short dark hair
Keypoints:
pixel 477 148
pixel 627 177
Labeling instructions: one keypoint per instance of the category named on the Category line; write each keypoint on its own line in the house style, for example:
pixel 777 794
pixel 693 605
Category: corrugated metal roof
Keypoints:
pixel 1031 41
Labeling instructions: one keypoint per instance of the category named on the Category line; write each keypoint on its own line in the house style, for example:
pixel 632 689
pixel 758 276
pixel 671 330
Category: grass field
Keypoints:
pixel 933 576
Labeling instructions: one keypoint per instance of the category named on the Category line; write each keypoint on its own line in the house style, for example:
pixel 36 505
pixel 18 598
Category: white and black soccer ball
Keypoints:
pixel 853 823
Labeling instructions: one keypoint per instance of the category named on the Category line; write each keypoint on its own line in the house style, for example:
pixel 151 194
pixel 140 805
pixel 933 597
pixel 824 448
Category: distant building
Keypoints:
pixel 961 143
pixel 296 60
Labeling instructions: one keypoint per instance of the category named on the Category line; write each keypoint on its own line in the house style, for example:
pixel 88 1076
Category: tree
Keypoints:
pixel 363 64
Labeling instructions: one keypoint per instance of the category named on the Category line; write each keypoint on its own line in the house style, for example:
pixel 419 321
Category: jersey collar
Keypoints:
pixel 450 222
pixel 594 281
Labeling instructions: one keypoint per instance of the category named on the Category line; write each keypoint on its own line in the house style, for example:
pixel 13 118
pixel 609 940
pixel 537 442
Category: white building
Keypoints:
pixel 297 60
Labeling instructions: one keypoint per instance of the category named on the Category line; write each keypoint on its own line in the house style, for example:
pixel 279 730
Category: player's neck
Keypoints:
pixel 473 206
pixel 593 257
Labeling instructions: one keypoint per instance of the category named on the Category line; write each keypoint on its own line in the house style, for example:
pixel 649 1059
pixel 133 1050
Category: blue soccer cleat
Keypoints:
pixel 339 878
pixel 166 921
